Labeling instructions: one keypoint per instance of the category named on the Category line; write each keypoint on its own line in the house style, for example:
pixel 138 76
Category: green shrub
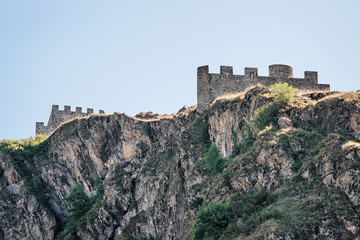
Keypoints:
pixel 246 144
pixel 244 206
pixel 213 160
pixel 257 218
pixel 247 136
pixel 201 128
pixel 264 116
pixel 24 154
pixel 283 93
pixel 211 222
pixel 81 208
pixel 196 202
pixel 242 214
pixel 313 142
pixel 246 210
pixel 25 149
pixel 77 202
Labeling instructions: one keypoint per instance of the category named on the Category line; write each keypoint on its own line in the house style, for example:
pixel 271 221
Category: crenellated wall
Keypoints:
pixel 59 116
pixel 212 85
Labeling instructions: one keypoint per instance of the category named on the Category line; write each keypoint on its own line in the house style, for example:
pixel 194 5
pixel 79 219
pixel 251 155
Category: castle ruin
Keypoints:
pixel 209 87
pixel 59 116
pixel 212 85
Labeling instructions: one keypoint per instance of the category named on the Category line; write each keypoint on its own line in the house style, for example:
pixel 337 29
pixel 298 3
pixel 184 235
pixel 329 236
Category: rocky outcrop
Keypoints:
pixel 154 177
pixel 21 215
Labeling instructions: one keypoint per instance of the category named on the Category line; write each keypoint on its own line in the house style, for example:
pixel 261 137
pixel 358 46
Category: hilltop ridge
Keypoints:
pixel 153 177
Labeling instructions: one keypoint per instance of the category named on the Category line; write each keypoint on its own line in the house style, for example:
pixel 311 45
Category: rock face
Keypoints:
pixel 154 178
pixel 21 215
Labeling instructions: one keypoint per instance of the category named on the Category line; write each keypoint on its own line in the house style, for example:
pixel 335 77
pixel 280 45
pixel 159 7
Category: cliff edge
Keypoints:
pixel 214 175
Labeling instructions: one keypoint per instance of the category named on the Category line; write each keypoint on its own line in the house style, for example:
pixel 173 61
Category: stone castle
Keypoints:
pixel 59 116
pixel 212 85
pixel 209 86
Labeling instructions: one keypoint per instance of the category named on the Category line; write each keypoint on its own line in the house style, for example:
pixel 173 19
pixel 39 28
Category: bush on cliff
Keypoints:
pixel 201 129
pixel 211 221
pixel 77 202
pixel 24 154
pixel 240 215
pixel 247 141
pixel 264 116
pixel 81 208
pixel 25 149
pixel 283 93
pixel 213 160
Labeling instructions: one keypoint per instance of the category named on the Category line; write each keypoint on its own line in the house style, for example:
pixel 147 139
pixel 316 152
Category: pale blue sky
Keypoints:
pixel 133 56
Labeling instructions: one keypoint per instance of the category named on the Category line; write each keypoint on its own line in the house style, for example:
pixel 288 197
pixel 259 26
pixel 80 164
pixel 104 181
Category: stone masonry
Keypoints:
pixel 59 116
pixel 212 85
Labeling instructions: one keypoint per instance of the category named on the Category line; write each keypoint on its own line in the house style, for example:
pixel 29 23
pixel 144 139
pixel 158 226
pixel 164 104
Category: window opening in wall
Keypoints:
pixel 281 74
pixel 252 75
pixel 227 75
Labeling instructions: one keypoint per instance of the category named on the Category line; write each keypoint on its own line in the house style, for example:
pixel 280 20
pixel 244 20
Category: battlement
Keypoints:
pixel 212 85
pixel 78 110
pixel 59 116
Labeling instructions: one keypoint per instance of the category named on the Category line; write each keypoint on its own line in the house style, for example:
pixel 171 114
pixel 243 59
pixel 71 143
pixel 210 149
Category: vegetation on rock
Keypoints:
pixel 291 173
pixel 283 93
pixel 24 154
pixel 264 116
pixel 81 207
pixel 213 160
pixel 246 144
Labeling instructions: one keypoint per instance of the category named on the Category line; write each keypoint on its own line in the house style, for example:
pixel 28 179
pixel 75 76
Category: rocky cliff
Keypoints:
pixel 191 175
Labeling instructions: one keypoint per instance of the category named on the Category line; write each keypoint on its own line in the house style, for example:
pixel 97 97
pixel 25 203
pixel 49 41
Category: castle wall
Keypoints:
pixel 221 84
pixel 59 116
pixel 203 86
pixel 212 85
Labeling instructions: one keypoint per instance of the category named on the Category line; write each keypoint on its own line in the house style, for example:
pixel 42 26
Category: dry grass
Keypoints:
pixel 349 145
pixel 230 96
pixel 277 135
pixel 301 101
pixel 285 131
pixel 265 130
pixel 187 111
pixel 304 91
pixel 346 96
pixel 157 117
pixel 234 96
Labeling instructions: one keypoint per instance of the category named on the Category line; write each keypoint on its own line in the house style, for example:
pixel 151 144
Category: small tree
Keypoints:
pixel 283 93
pixel 78 202
pixel 264 116
pixel 211 222
pixel 213 160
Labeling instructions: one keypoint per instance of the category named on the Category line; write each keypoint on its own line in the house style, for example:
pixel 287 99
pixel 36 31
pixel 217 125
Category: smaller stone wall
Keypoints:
pixel 59 116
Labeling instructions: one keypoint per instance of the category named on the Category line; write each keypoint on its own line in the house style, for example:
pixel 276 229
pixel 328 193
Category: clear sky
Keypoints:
pixel 133 56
